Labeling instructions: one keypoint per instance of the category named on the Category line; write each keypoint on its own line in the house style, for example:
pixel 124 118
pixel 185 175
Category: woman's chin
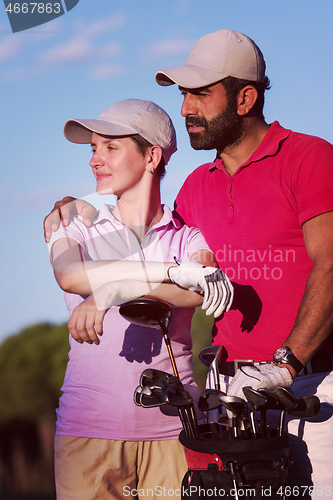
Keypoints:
pixel 101 191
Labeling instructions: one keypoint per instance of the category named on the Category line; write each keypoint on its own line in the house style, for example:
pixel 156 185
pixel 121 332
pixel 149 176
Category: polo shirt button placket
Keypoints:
pixel 231 208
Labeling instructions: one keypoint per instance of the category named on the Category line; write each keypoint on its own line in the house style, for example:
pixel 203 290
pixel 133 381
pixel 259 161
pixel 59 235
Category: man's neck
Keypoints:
pixel 234 156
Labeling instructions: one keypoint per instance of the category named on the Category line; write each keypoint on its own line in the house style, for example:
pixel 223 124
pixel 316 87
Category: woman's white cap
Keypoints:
pixel 124 118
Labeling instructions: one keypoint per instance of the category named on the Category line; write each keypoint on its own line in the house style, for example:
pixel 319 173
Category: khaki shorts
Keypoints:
pixel 102 469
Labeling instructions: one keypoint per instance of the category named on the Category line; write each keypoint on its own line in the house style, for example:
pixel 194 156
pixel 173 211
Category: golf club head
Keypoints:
pixel 151 313
pixel 148 397
pixel 209 354
pixel 286 397
pixel 175 395
pixel 257 398
pixel 152 377
pixel 306 407
pixel 234 404
pixel 137 395
pixel 271 398
pixel 209 400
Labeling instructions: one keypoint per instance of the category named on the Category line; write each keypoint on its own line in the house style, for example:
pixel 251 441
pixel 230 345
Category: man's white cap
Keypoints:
pixel 124 118
pixel 214 57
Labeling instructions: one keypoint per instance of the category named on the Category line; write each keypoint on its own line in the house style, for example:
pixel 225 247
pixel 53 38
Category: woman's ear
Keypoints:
pixel 154 156
pixel 247 98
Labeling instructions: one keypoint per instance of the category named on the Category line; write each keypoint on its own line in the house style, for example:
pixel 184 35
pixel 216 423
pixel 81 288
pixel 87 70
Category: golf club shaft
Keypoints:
pixel 172 358
pixel 282 424
pixel 252 418
pixel 233 478
pixel 184 420
pixel 193 421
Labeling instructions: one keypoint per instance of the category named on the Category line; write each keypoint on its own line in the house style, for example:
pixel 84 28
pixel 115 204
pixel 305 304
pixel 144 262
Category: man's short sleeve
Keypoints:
pixel 312 181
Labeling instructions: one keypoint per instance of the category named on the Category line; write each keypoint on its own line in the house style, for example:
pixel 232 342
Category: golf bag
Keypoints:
pixel 220 466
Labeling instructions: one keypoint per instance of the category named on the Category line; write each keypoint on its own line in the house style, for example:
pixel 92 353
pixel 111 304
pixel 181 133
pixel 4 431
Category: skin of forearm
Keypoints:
pixel 314 321
pixel 169 292
pixel 150 279
pixel 118 292
pixel 74 274
pixel 175 295
pixel 85 277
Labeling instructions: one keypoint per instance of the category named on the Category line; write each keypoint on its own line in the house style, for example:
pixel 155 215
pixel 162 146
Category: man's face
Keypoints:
pixel 211 118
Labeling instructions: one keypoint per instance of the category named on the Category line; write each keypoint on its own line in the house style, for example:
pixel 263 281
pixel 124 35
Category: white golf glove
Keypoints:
pixel 209 281
pixel 263 376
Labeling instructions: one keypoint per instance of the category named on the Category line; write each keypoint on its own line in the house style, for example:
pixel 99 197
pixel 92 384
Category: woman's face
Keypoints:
pixel 117 164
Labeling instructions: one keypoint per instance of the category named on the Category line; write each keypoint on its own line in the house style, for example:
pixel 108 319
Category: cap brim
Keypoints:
pixel 80 131
pixel 190 77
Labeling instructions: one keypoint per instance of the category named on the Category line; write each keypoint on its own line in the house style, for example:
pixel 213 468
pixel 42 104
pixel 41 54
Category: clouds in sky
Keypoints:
pixel 84 42
pixel 164 48
pixel 9 47
pixel 59 45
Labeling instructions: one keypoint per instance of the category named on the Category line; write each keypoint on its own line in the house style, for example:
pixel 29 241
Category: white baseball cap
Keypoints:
pixel 128 117
pixel 216 56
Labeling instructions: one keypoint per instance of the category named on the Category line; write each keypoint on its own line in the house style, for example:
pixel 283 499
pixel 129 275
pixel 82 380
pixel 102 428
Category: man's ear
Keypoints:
pixel 247 98
pixel 154 156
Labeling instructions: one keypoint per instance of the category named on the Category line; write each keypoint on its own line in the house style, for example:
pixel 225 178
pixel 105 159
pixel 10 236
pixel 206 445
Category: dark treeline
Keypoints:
pixel 32 366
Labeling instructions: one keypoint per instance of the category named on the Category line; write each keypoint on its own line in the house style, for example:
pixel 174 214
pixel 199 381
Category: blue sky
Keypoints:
pixel 105 50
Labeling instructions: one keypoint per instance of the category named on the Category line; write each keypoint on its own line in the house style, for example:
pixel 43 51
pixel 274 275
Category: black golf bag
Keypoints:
pixel 220 466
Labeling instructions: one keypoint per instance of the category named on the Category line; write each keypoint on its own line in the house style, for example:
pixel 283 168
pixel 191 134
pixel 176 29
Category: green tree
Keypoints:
pixel 201 332
pixel 33 363
pixel 32 366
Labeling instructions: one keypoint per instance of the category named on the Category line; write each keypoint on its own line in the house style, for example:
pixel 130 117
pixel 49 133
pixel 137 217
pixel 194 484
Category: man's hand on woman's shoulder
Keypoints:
pixel 62 212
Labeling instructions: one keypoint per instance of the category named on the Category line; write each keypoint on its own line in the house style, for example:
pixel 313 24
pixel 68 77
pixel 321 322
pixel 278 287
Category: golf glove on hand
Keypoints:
pixel 209 281
pixel 263 376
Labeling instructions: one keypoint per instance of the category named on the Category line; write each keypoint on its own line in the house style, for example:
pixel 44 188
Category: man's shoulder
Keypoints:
pixel 307 140
pixel 201 171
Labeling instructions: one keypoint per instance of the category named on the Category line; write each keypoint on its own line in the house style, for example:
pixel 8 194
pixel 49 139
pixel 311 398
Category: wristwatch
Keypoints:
pixel 284 355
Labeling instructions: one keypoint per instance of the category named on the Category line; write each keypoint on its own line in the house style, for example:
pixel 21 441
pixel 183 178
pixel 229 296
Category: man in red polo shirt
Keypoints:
pixel 265 208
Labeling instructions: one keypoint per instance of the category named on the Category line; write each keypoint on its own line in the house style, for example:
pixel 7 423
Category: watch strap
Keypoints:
pixel 290 359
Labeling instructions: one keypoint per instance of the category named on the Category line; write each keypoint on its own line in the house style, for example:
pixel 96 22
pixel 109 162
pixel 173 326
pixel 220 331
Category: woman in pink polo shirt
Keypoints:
pixel 105 445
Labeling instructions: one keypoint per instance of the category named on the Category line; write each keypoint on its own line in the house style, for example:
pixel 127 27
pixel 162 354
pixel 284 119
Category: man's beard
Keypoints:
pixel 226 129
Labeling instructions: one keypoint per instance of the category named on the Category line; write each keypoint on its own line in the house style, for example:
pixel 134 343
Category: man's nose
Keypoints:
pixel 189 106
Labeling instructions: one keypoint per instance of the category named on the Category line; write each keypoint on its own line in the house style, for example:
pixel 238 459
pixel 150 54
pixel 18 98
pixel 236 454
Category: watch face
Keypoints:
pixel 282 351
